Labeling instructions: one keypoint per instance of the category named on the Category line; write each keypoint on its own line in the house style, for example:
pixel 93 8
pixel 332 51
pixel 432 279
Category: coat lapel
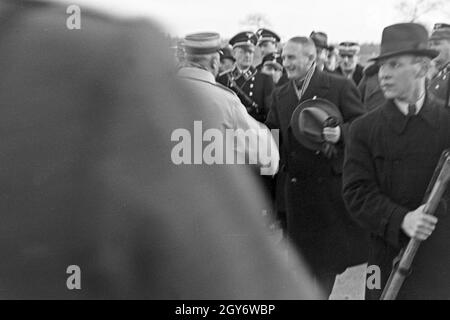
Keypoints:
pixel 318 86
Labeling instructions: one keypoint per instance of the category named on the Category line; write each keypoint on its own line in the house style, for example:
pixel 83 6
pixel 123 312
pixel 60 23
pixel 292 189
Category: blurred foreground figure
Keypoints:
pixel 87 177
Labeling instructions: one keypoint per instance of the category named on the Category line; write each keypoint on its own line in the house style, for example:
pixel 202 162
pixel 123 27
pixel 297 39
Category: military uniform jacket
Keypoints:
pixel 439 85
pixel 257 88
pixel 390 160
pixel 317 220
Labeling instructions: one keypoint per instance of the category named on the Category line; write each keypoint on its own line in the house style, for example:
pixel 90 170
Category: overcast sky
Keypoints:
pixel 356 20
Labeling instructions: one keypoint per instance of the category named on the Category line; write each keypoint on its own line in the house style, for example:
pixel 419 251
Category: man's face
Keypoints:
pixel 295 60
pixel 399 76
pixel 244 56
pixel 443 46
pixel 226 64
pixel 348 62
pixel 272 71
pixel 267 47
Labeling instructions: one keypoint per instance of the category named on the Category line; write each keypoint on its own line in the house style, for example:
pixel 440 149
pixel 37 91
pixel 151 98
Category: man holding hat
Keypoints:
pixel 391 155
pixel 317 221
pixel 252 87
pixel 348 61
pixel 440 41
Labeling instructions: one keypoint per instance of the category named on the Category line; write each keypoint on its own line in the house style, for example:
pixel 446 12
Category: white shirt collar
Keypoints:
pixel 403 106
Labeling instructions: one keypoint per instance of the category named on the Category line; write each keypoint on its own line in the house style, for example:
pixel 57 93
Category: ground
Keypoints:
pixel 350 285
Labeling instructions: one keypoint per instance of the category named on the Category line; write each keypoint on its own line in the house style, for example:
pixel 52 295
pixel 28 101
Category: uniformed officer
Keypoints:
pixel 440 41
pixel 267 42
pixel 272 65
pixel 348 61
pixel 252 87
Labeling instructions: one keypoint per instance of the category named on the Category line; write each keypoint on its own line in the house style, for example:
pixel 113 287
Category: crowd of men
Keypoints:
pixel 358 145
pixel 89 118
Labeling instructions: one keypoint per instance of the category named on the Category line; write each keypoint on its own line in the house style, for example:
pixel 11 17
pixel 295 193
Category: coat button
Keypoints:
pixel 250 94
pixel 294 180
pixel 317 152
pixel 251 85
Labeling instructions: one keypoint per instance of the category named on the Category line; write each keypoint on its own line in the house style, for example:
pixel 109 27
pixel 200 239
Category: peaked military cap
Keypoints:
pixel 202 43
pixel 440 31
pixel 266 35
pixel 348 48
pixel 244 39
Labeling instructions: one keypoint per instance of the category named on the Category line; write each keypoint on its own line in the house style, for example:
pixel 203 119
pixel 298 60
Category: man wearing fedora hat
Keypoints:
pixel 252 87
pixel 320 40
pixel 317 221
pixel 391 155
pixel 440 41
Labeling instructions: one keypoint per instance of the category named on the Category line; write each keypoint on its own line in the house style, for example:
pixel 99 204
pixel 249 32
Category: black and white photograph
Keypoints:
pixel 224 155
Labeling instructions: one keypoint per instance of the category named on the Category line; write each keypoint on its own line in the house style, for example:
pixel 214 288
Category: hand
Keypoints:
pixel 332 134
pixel 419 225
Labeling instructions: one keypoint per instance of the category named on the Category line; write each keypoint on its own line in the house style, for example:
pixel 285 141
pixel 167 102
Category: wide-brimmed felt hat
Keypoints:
pixel 310 118
pixel 405 38
pixel 320 39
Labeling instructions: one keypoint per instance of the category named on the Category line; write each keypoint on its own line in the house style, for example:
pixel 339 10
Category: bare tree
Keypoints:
pixel 412 10
pixel 255 21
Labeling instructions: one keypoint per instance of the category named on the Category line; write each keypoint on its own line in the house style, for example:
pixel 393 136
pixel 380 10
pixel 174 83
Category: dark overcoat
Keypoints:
pixel 317 220
pixel 390 160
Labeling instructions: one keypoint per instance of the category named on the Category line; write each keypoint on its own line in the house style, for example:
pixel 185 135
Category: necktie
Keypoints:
pixel 412 109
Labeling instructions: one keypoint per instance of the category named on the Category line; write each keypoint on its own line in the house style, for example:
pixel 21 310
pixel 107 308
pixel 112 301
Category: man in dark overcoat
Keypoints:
pixel 317 220
pixel 391 155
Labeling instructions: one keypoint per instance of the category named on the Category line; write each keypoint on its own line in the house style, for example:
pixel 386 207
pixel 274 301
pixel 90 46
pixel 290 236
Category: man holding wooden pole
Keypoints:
pixel 391 155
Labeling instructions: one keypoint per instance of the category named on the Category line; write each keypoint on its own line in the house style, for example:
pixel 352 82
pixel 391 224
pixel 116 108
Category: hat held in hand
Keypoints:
pixel 310 118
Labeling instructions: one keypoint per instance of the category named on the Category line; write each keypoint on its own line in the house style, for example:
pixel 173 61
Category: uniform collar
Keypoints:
pixel 247 74
pixel 398 121
pixel 195 73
